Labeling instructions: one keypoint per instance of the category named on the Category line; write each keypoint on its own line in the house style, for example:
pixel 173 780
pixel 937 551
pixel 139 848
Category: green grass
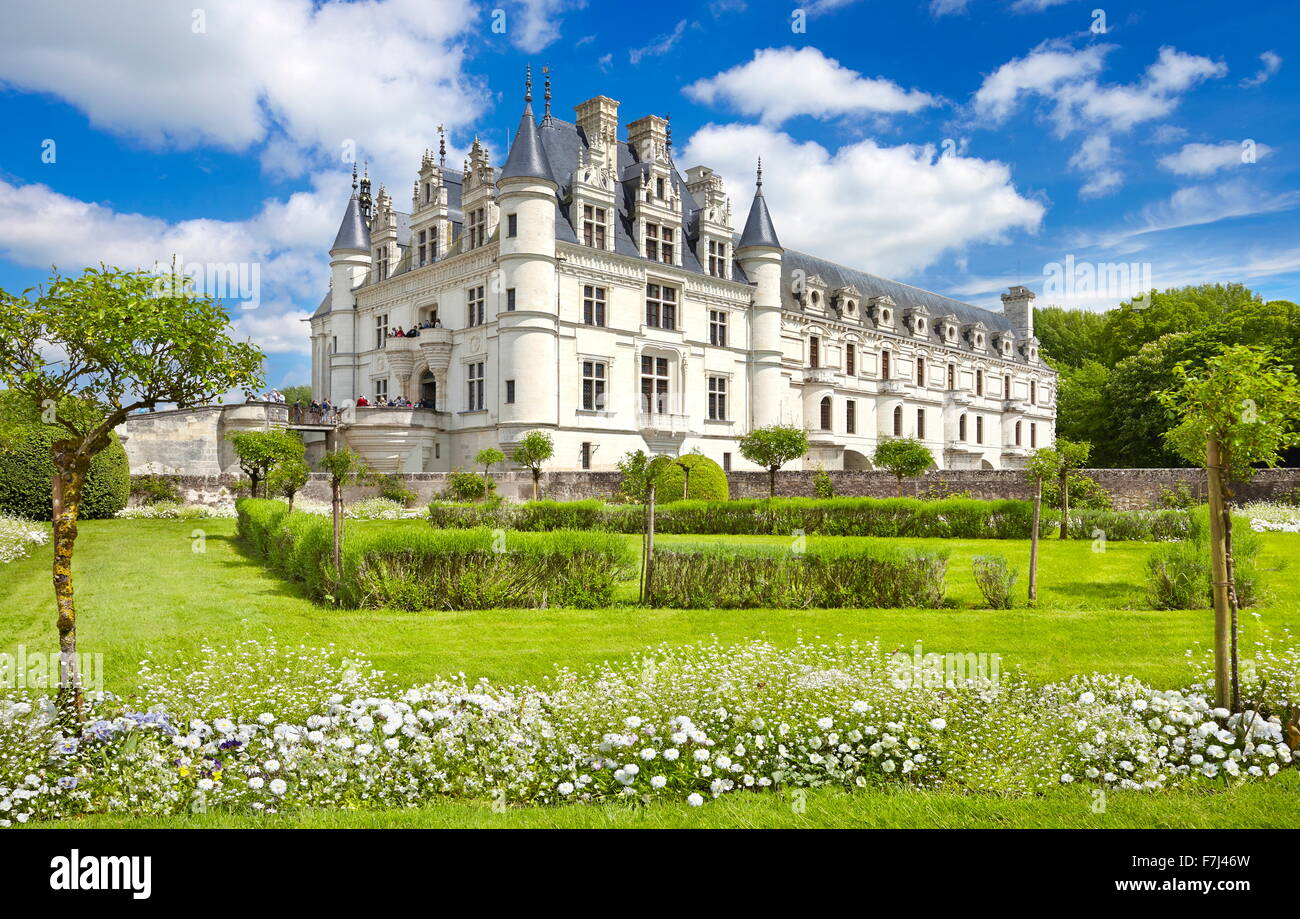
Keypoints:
pixel 143 591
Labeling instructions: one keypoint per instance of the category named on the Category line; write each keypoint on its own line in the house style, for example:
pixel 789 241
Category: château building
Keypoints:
pixel 588 288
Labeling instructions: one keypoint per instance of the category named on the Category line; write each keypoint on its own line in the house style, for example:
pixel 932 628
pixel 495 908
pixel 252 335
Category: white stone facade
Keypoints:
pixel 552 283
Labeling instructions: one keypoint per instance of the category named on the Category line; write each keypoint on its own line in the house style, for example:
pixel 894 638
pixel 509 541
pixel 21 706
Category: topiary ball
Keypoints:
pixel 27 473
pixel 708 481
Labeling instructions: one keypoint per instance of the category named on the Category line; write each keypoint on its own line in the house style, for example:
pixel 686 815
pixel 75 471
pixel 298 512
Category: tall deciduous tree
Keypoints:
pixel 1240 410
pixel 902 457
pixel 88 351
pixel 533 450
pixel 772 447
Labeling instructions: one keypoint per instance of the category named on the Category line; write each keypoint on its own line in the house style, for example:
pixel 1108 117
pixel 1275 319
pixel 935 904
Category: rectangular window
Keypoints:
pixel 477 227
pixel 1033 393
pixel 1033 435
pixel 381 390
pixel 717 258
pixel 660 189
pixel 718 328
pixel 382 261
pixel 814 352
pixel 884 365
pixel 474 311
pixel 593 305
pixel 381 330
pixel 850 359
pixel 717 398
pixel 659 243
pixel 660 306
pixel 726 462
pixel 851 417
pixel 474 387
pixel 512 225
pixel 423 236
pixel 920 424
pixel 979 382
pixel 952 376
pixel 510 391
pixel 586 454
pixel 593 226
pixel 654 384
pixel 510 299
pixel 920 371
pixel 594 376
pixel 979 429
pixel 1006 386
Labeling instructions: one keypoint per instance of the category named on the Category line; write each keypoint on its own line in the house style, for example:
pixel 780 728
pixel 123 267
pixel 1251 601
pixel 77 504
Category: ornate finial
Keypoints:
pixel 528 84
pixel 759 183
pixel 668 134
pixel 547 71
pixel 354 177
pixel 442 147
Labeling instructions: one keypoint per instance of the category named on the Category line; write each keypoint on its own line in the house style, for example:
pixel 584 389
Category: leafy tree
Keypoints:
pixel 1070 338
pixel 1180 309
pixel 487 458
pixel 1073 456
pixel 294 394
pixel 261 451
pixel 289 477
pixel 772 447
pixel 534 449
pixel 344 467
pixel 1043 465
pixel 87 352
pixel 1081 410
pixel 903 456
pixel 1238 411
pixel 634 484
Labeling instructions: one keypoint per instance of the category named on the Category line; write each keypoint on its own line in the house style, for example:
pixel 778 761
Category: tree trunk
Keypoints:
pixel 291 494
pixel 69 479
pixel 537 479
pixel 337 507
pixel 771 482
pixel 686 482
pixel 898 487
pixel 1065 504
pixel 647 590
pixel 1033 541
pixel 1219 578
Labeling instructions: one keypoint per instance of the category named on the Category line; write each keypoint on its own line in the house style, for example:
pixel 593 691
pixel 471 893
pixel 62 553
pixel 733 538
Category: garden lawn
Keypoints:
pixel 143 591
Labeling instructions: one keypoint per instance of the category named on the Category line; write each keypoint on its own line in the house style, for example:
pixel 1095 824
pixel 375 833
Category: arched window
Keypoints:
pixel 961 428
pixel 884 365
pixel 898 421
pixel 826 413
pixel 920 371
pixel 1017 433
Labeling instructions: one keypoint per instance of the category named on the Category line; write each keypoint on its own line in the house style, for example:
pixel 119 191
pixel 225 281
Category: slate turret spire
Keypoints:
pixel 759 230
pixel 526 158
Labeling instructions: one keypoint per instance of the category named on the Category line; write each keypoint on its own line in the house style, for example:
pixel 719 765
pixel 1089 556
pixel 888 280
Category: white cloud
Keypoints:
pixel 538 22
pixel 302 78
pixel 1271 63
pixel 660 46
pixel 1095 158
pixel 1035 6
pixel 947 7
pixel 1205 159
pixel 1042 71
pixel 780 83
pixel 1197 205
pixel 888 210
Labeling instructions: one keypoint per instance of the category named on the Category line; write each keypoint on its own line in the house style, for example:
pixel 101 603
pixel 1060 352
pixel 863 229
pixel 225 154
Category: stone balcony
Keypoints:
pixel 664 423
pixel 898 387
pixel 958 397
pixel 826 376
pixel 1016 405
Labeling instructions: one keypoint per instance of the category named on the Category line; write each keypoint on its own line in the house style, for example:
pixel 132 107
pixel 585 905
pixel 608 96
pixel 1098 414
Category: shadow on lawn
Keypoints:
pixel 273 584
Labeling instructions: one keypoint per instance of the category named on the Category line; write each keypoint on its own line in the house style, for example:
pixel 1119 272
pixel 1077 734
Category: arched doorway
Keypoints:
pixel 855 461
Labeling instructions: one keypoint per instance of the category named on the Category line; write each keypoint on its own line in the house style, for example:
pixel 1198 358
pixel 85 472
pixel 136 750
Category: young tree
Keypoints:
pixel 87 352
pixel 260 451
pixel 772 447
pixel 288 477
pixel 903 456
pixel 633 466
pixel 534 449
pixel 344 466
pixel 1240 410
pixel 1073 455
pixel 1043 464
pixel 487 458
pixel 654 471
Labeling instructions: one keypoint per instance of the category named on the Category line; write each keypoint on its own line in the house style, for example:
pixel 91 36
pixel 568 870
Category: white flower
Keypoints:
pixel 256 782
pixel 566 788
pixel 632 722
pixel 701 756
pixel 648 753
pixel 938 724
pixel 694 799
pixel 671 754
pixel 278 786
pixel 271 765
pixel 825 723
pixel 658 781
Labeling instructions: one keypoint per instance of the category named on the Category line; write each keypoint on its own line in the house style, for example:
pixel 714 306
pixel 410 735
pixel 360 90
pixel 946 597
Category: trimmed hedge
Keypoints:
pixel 829 578
pixel 27 473
pixel 951 518
pixel 407 565
pixel 708 481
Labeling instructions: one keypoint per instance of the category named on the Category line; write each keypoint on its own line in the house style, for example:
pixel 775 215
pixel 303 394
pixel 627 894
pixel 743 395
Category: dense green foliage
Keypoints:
pixel 772 447
pixel 1178 574
pixel 1114 365
pixel 154 489
pixel 996 580
pixel 958 518
pixel 407 565
pixel 27 469
pixel 902 457
pixel 707 481
pixel 830 577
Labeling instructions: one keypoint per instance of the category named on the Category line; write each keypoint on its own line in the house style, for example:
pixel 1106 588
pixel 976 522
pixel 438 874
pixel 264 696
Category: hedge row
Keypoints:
pixel 824 579
pixel 953 518
pixel 407 565
pixel 27 473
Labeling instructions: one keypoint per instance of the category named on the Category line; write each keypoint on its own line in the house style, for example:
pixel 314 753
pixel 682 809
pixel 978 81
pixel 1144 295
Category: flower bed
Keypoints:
pixel 826 578
pixel 300 730
pixel 170 510
pixel 954 518
pixel 18 536
pixel 1277 518
pixel 405 565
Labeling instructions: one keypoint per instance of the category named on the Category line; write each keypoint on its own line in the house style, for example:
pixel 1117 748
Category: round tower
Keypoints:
pixel 350 261
pixel 527 334
pixel 760 254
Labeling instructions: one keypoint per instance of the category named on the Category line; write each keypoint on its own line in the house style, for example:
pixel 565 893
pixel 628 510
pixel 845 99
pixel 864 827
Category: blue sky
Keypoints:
pixel 960 145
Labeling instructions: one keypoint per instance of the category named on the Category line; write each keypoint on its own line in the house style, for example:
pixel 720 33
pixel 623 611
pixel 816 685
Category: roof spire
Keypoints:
pixel 759 183
pixel 759 230
pixel 546 119
pixel 442 147
pixel 354 178
pixel 528 84
pixel 668 136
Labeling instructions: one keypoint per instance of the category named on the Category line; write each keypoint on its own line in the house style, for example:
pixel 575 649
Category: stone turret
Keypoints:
pixel 760 254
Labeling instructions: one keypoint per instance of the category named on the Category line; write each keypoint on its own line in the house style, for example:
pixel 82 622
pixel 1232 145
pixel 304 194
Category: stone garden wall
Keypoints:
pixel 1128 488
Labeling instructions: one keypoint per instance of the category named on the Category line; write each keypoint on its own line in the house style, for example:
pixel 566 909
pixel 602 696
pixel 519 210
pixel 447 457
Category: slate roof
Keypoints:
pixel 758 227
pixel 526 158
pixel 352 231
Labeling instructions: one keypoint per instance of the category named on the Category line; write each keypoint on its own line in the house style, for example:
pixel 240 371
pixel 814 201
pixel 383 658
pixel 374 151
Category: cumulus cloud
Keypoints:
pixel 536 23
pixel 1206 159
pixel 1043 71
pixel 1270 63
pixel 308 81
pixel 780 83
pixel 889 210
pixel 1095 157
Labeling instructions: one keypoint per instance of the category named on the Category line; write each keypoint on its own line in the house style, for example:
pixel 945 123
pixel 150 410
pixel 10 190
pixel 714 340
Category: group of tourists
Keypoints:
pixel 414 331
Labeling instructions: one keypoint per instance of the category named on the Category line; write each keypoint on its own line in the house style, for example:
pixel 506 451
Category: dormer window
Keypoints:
pixel 593 226
pixel 661 189
pixel 849 306
pixel 920 327
pixel 718 259
pixel 659 243
pixel 816 298
pixel 979 339
pixel 477 233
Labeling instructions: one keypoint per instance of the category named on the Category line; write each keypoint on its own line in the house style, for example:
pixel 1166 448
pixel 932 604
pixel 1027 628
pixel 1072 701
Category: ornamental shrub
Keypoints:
pixel 996 579
pixel 708 481
pixel 27 473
